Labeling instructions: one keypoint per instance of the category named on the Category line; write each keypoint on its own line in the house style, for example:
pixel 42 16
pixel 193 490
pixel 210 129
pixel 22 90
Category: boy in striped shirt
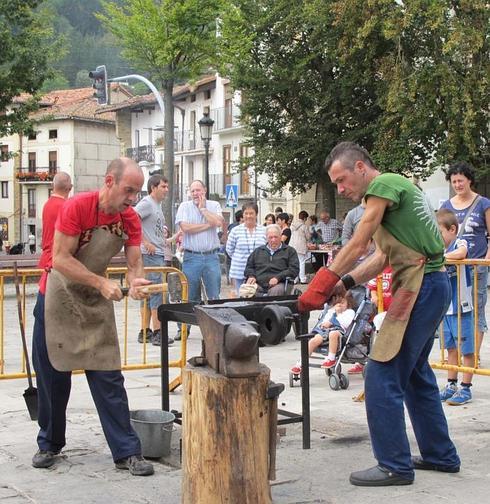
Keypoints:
pixel 457 249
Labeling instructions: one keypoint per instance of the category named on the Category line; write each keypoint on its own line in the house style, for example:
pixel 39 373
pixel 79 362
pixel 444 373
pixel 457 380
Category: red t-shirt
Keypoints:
pixel 50 214
pixel 80 216
pixel 387 280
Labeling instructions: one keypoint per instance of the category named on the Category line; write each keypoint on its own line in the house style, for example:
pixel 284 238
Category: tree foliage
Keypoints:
pixel 409 81
pixel 168 41
pixel 27 46
pixel 85 41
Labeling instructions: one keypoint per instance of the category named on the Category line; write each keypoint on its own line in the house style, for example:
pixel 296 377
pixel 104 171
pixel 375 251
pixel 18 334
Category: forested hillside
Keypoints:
pixel 86 44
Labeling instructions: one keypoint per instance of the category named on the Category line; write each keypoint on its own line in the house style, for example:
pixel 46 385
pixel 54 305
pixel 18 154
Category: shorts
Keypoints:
pixel 450 325
pixel 155 300
pixel 324 333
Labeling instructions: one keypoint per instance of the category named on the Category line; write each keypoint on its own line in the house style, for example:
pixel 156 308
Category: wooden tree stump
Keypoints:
pixel 225 438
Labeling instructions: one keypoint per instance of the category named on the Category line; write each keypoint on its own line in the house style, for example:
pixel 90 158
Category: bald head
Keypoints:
pixel 118 167
pixel 62 184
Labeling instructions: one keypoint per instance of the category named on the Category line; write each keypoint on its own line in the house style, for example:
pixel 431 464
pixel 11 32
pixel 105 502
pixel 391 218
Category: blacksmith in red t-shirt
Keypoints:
pixel 74 315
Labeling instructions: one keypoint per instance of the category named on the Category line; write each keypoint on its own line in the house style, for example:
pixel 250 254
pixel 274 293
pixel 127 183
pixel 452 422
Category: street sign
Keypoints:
pixel 231 195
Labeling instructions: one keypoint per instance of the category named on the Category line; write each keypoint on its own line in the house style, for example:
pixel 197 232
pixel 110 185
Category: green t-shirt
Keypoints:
pixel 410 219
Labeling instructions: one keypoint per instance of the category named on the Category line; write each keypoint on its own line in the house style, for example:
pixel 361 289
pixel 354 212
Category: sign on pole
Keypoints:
pixel 231 195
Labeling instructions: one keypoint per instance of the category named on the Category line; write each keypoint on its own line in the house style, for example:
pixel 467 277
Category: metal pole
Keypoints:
pixel 206 166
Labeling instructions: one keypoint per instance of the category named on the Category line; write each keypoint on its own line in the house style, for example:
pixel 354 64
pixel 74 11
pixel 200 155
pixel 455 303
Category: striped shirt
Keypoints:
pixel 464 283
pixel 241 243
pixel 204 241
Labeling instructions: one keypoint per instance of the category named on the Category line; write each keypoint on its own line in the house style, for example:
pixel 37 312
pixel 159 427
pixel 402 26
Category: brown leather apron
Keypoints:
pixel 408 273
pixel 80 324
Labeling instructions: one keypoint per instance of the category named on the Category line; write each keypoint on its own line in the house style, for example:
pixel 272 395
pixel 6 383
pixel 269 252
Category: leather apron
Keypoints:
pixel 80 323
pixel 408 272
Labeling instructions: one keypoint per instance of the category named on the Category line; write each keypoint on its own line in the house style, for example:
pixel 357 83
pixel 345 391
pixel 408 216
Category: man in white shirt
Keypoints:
pixel 199 219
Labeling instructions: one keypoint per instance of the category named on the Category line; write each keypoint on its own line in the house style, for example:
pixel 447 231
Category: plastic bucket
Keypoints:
pixel 154 428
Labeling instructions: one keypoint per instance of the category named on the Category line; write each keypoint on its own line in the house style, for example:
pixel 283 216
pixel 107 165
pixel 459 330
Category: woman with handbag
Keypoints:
pixel 473 213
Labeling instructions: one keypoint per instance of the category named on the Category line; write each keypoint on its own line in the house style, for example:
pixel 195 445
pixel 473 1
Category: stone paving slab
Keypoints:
pixel 340 443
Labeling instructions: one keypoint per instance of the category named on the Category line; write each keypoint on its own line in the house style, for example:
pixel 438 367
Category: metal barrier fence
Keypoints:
pixel 9 323
pixel 443 363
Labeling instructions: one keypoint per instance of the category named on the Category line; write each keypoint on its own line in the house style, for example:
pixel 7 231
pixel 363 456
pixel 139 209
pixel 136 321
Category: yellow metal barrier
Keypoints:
pixel 443 364
pixel 31 273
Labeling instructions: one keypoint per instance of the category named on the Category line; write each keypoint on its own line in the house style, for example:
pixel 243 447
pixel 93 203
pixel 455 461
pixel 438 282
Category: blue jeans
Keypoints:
pixel 206 267
pixel 156 299
pixel 408 378
pixel 106 387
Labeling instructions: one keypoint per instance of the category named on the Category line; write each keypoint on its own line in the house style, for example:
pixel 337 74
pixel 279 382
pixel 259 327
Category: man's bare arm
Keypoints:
pixel 186 227
pixel 370 268
pixel 357 245
pixel 214 220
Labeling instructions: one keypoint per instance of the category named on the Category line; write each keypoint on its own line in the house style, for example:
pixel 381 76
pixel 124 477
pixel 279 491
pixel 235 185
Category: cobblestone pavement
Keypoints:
pixel 340 439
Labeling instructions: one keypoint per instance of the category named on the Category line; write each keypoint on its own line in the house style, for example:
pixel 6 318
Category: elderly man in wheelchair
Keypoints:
pixel 271 268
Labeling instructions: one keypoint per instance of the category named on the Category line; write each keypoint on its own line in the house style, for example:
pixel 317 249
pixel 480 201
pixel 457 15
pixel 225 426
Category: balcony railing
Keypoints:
pixel 142 153
pixel 36 174
pixel 226 118
pixel 187 140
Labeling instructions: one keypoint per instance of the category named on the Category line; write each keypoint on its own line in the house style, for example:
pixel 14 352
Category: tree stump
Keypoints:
pixel 225 438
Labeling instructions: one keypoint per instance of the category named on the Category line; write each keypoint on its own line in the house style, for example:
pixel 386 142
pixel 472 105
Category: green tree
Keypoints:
pixel 27 45
pixel 408 81
pixel 167 41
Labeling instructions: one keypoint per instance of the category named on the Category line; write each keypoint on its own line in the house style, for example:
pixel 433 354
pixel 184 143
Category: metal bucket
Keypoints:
pixel 154 428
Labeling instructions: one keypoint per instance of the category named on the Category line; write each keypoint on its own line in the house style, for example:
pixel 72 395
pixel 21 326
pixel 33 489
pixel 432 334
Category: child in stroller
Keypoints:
pixel 348 342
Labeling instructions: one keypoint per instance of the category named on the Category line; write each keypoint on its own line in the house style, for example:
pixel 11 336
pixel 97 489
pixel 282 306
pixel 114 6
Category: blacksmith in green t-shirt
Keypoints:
pixel 403 224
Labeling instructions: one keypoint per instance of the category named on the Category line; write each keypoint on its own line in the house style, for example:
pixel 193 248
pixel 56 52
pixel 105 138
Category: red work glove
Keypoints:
pixel 319 290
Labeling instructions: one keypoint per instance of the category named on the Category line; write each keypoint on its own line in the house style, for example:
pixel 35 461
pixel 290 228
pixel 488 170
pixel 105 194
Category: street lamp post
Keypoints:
pixel 206 129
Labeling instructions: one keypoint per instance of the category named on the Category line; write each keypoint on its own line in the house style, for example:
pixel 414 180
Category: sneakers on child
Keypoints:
pixel 296 369
pixel 328 363
pixel 461 396
pixel 356 369
pixel 448 391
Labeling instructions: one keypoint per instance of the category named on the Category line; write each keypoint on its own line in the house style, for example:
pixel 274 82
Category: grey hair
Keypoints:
pixel 348 153
pixel 62 182
pixel 274 227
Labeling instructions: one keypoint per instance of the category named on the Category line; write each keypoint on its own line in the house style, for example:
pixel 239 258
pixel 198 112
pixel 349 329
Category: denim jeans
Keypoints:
pixel 408 378
pixel 155 300
pixel 206 267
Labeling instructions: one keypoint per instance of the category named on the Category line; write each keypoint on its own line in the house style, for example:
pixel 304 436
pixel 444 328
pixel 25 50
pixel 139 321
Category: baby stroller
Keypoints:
pixel 355 344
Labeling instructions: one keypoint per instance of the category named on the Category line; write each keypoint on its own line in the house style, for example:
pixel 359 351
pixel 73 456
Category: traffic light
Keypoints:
pixel 99 75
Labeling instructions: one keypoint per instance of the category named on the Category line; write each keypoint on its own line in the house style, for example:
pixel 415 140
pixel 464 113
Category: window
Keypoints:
pixel 137 138
pixel 53 162
pixel 193 98
pixel 192 132
pixel 244 173
pixel 228 106
pixel 190 172
pixel 53 134
pixel 31 202
pixel 32 161
pixel 32 135
pixel 4 153
pixel 207 94
pixel 5 189
pixel 226 166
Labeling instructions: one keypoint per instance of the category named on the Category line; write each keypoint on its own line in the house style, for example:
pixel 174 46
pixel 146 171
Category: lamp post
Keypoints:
pixel 206 130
